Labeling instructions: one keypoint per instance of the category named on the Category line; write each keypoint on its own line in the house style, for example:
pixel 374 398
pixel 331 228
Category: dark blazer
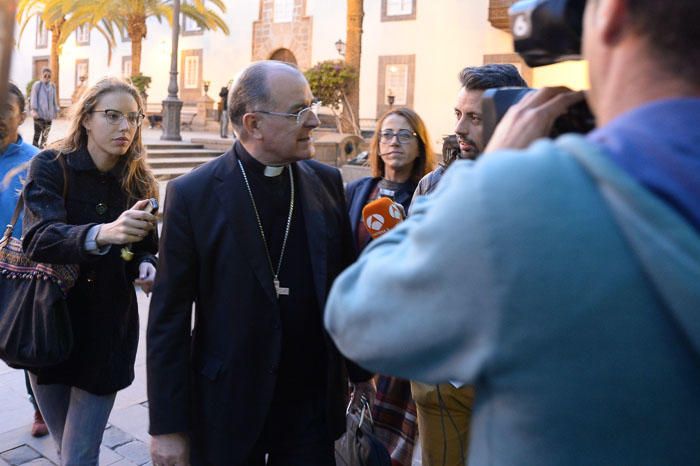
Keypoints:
pixel 217 383
pixel 102 304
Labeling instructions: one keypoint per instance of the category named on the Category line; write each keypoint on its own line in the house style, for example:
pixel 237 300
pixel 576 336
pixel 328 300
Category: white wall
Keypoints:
pixel 329 17
pixel 21 66
pixel 445 37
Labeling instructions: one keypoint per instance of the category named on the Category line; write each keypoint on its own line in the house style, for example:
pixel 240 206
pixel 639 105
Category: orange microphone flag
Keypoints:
pixel 381 215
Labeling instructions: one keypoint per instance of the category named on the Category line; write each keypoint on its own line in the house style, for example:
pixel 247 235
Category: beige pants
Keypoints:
pixel 445 429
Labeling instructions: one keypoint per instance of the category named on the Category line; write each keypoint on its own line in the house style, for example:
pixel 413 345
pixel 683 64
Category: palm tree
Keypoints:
pixel 52 13
pixel 58 17
pixel 132 16
pixel 353 55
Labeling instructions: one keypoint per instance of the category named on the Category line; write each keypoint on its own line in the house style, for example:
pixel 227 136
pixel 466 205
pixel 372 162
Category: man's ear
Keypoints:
pixel 611 20
pixel 250 125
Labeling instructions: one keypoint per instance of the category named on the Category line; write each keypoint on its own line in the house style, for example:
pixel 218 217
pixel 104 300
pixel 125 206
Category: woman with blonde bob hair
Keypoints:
pixel 87 203
pixel 399 156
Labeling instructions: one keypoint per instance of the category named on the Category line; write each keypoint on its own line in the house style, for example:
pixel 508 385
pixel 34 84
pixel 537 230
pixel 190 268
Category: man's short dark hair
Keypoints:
pixel 672 32
pixel 13 89
pixel 480 78
pixel 251 91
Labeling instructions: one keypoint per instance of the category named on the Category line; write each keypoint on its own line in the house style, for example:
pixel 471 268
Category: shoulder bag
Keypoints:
pixel 35 327
pixel 359 446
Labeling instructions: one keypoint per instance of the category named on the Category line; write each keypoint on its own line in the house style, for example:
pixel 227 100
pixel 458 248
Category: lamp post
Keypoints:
pixel 172 105
pixel 340 47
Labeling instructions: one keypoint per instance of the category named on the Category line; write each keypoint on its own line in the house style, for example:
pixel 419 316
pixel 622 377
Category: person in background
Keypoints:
pixel 400 154
pixel 445 410
pixel 15 155
pixel 474 81
pixel 101 165
pixel 44 107
pixel 223 117
pixel 560 277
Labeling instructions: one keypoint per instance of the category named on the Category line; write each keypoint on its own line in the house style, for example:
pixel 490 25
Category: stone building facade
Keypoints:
pixel 412 51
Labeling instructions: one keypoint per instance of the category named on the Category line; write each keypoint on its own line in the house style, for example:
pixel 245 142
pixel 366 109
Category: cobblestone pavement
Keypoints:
pixel 125 441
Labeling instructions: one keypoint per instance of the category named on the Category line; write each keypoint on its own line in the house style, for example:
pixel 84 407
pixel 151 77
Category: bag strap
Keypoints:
pixel 671 261
pixel 20 203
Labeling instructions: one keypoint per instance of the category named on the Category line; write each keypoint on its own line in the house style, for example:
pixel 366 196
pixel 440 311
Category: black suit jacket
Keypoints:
pixel 217 383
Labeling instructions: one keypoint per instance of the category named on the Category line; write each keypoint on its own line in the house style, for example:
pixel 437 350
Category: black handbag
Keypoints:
pixel 35 327
pixel 359 446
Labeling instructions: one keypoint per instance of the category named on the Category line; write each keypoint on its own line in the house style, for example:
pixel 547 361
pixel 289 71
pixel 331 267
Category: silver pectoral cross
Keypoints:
pixel 279 290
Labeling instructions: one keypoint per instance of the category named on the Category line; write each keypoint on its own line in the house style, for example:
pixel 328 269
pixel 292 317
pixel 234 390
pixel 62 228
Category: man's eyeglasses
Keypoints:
pixel 115 117
pixel 299 116
pixel 404 136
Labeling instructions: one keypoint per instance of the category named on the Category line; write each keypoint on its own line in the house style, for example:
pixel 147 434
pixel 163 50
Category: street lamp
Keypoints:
pixel 172 105
pixel 340 47
pixel 390 98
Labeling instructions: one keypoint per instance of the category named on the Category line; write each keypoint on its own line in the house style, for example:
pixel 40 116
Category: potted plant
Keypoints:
pixel 142 83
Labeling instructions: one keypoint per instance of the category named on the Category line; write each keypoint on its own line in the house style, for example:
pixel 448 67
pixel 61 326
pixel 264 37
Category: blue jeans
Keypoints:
pixel 76 420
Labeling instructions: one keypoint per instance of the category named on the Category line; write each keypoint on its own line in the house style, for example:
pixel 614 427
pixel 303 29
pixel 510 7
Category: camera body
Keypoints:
pixel 547 31
pixel 544 32
pixel 495 103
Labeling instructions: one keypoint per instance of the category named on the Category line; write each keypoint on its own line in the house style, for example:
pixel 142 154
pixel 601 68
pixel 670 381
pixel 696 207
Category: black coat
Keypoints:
pixel 217 384
pixel 102 304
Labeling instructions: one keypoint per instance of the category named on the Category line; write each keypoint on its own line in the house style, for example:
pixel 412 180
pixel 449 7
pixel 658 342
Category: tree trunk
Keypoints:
pixel 353 55
pixel 136 27
pixel 55 52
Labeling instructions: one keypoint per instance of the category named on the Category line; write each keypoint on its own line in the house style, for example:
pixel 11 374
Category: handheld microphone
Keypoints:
pixel 381 215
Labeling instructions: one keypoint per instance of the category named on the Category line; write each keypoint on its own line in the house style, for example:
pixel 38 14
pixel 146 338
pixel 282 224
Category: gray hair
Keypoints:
pixel 484 77
pixel 251 90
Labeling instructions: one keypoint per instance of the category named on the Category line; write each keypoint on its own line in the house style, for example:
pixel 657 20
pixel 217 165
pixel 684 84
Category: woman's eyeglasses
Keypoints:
pixel 115 117
pixel 404 136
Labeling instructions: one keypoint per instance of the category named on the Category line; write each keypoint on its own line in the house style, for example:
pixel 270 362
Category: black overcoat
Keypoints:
pixel 102 304
pixel 217 383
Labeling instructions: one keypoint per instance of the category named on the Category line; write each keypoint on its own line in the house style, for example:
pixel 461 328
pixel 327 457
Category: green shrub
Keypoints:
pixel 141 82
pixel 330 81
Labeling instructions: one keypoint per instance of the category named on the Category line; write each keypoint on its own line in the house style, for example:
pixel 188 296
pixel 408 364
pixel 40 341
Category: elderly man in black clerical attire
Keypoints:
pixel 254 239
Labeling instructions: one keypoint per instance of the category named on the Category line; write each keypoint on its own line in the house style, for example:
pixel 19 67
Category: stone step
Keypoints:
pixel 173 145
pixel 166 174
pixel 160 153
pixel 167 162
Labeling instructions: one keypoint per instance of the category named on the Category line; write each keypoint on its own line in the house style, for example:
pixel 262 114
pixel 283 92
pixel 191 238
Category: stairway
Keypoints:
pixel 170 160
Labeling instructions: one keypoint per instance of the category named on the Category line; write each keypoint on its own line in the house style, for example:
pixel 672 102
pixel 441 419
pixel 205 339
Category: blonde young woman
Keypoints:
pixel 107 186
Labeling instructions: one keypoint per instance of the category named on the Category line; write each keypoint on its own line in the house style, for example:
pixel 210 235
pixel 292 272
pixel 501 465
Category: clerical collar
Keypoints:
pixel 272 171
pixel 254 165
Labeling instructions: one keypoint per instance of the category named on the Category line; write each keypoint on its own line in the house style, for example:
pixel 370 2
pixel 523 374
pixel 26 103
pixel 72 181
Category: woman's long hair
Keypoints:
pixel 137 180
pixel 423 164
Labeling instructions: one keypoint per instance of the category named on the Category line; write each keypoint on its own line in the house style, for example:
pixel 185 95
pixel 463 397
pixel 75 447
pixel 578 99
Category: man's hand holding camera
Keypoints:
pixel 532 117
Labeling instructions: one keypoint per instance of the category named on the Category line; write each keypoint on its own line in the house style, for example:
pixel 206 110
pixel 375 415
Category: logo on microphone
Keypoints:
pixel 375 222
pixel 395 212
